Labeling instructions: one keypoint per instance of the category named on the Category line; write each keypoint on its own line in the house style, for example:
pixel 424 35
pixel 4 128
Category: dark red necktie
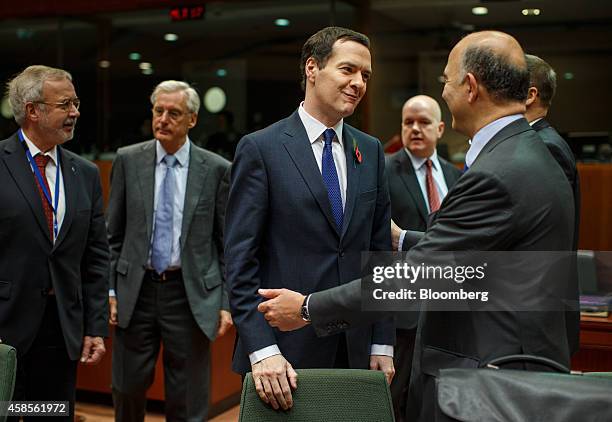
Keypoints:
pixel 41 163
pixel 432 192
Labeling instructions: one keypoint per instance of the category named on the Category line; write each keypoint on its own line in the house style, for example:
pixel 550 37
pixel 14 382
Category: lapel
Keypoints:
pixel 146 180
pixel 19 168
pixel 69 177
pixel 295 141
pixel 513 129
pixel 353 173
pixel 196 179
pixel 449 176
pixel 408 176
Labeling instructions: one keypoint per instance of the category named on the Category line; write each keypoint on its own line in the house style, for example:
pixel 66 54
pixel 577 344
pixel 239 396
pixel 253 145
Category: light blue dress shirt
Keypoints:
pixel 180 178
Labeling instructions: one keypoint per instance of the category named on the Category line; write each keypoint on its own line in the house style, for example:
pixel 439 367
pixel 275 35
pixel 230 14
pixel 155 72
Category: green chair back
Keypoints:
pixel 325 395
pixel 599 374
pixel 8 370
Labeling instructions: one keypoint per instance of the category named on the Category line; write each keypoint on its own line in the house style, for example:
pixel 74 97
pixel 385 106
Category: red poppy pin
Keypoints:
pixel 356 153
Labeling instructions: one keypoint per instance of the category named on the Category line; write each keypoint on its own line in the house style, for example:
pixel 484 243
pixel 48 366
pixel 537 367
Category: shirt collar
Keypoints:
pixel 182 155
pixel 535 121
pixel 417 162
pixel 314 128
pixel 34 150
pixel 485 134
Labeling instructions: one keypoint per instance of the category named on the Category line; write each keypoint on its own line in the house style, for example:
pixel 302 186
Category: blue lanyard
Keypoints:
pixel 41 181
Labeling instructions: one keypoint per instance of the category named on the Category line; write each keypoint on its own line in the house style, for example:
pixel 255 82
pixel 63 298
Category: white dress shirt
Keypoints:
pixel 50 173
pixel 314 131
pixel 420 170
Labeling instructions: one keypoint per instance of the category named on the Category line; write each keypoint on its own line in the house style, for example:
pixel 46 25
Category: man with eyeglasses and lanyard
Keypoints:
pixel 165 222
pixel 55 258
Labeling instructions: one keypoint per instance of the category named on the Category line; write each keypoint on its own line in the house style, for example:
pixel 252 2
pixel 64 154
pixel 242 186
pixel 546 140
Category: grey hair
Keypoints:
pixel 27 86
pixel 168 87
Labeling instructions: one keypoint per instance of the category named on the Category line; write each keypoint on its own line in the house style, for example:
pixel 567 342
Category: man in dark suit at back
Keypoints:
pixel 165 228
pixel 513 197
pixel 307 196
pixel 54 264
pixel 418 182
pixel 542 88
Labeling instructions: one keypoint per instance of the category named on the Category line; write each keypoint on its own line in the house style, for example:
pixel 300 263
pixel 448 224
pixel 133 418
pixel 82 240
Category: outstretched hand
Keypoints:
pixel 282 309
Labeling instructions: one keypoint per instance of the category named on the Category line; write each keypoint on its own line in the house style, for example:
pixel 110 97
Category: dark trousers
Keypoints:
pixel 402 361
pixel 45 372
pixel 162 316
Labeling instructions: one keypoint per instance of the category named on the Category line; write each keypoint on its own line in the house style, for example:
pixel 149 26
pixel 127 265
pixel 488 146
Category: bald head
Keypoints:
pixel 424 102
pixel 421 125
pixel 499 43
pixel 486 78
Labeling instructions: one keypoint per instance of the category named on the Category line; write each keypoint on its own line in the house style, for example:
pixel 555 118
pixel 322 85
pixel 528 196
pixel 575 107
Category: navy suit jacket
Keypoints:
pixel 76 266
pixel 280 232
pixel 564 156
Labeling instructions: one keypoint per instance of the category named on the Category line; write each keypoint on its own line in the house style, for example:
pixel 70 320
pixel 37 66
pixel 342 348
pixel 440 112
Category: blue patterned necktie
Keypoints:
pixel 164 215
pixel 330 178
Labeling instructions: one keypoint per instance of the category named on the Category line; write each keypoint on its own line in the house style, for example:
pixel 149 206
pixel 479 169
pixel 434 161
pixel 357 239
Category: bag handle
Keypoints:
pixel 494 363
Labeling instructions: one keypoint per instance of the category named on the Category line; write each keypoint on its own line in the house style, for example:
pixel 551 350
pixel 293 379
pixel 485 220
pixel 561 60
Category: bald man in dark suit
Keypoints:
pixel 418 181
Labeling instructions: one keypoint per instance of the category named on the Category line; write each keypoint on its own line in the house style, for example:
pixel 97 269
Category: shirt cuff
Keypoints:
pixel 401 240
pixel 111 293
pixel 261 354
pixel 381 350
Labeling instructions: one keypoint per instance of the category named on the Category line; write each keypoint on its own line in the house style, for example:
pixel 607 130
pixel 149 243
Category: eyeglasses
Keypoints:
pixel 65 105
pixel 173 114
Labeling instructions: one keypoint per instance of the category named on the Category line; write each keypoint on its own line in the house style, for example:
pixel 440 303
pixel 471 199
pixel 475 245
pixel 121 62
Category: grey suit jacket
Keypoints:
pixel 408 206
pixel 513 198
pixel 130 221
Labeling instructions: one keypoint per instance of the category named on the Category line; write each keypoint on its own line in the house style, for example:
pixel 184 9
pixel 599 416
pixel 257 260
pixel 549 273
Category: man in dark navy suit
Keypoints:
pixel 54 268
pixel 307 197
pixel 542 88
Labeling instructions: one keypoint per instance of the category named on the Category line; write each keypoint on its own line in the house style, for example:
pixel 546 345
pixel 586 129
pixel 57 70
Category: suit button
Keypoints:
pixel 44 292
pixel 341 254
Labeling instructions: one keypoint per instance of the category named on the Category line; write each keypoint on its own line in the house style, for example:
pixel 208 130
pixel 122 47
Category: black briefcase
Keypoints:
pixel 491 394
